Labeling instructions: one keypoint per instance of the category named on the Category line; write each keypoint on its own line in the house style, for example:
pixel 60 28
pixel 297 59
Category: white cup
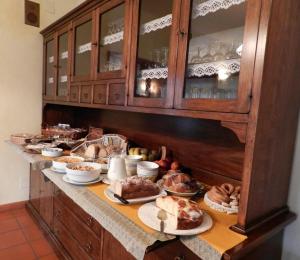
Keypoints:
pixel 117 169
pixel 131 164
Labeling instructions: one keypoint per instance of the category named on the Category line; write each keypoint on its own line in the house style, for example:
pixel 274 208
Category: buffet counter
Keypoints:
pixel 123 223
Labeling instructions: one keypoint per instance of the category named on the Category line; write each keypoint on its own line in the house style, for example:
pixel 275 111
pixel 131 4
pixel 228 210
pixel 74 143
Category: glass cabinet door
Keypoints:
pixel 111 20
pixel 214 50
pixel 82 33
pixel 49 68
pixel 152 83
pixel 63 57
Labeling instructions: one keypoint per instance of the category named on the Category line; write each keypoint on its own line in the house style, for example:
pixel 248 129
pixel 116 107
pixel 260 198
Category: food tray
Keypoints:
pixel 118 142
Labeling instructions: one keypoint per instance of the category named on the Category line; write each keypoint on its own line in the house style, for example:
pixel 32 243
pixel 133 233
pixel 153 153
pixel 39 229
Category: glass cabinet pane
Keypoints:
pixel 49 81
pixel 155 20
pixel 83 47
pixel 63 56
pixel 214 50
pixel 111 39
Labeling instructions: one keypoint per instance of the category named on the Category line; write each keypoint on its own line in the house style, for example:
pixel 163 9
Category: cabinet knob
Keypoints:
pixel 182 33
pixel 57 192
pixel 94 43
pixel 57 213
pixel 181 257
pixel 88 247
pixel 85 95
pixel 99 96
pixel 117 96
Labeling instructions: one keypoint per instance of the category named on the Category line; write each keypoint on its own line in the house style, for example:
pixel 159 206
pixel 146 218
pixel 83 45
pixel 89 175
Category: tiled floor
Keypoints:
pixel 21 238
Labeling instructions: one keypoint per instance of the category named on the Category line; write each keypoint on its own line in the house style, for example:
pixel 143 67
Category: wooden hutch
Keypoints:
pixel 216 81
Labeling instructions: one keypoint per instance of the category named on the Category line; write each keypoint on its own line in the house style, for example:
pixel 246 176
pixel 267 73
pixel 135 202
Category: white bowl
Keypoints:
pixel 61 165
pixel 147 170
pixel 52 152
pixel 133 159
pixel 83 175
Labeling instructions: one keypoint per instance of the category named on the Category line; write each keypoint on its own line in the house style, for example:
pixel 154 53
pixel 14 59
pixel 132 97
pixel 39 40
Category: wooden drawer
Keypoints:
pixel 100 94
pixel 85 237
pixel 69 243
pixel 116 94
pixel 89 221
pixel 86 94
pixel 74 94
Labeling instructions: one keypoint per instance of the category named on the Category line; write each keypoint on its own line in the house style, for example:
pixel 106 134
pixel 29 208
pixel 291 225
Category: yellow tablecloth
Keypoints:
pixel 220 237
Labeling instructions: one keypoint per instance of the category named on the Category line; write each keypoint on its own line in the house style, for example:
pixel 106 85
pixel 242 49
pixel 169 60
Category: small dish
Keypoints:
pixel 57 170
pixel 52 152
pixel 68 180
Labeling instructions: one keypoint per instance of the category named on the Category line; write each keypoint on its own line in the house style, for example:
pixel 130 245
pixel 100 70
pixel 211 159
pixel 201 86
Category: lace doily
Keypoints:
pixel 156 24
pixel 116 37
pixel 209 69
pixel 51 59
pixel 63 78
pixel 212 6
pixel 64 55
pixel 159 73
pixel 50 80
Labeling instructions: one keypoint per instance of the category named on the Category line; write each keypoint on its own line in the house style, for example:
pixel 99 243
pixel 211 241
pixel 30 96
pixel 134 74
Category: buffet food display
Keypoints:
pixel 138 175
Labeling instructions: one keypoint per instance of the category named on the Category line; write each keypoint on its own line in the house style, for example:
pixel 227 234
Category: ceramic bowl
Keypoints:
pixel 131 164
pixel 61 162
pixel 76 171
pixel 147 170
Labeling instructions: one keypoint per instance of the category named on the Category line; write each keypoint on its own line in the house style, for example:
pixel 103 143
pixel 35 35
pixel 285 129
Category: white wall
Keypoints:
pixel 291 250
pixel 20 86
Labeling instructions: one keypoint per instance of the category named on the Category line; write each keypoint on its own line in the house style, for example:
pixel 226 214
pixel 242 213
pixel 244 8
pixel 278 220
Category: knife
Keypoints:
pixel 124 201
pixel 162 216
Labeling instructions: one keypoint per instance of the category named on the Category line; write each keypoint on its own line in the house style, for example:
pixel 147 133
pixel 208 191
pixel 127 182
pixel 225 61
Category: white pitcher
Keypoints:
pixel 117 168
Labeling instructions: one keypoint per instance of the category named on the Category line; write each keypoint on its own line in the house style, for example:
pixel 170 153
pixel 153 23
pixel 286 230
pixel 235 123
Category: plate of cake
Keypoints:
pixel 133 189
pixel 183 216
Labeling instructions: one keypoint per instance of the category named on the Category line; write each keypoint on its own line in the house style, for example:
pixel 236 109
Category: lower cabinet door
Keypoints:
pixel 46 200
pixel 34 192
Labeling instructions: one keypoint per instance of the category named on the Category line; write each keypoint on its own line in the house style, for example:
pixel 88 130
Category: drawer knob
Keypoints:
pixel 90 221
pixel 85 95
pixel 88 247
pixel 179 257
pixel 57 213
pixel 57 192
pixel 117 96
pixel 99 96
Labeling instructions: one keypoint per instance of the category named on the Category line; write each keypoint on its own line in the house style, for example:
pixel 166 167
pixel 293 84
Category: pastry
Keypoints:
pixel 179 182
pixel 226 195
pixel 134 187
pixel 92 151
pixel 185 214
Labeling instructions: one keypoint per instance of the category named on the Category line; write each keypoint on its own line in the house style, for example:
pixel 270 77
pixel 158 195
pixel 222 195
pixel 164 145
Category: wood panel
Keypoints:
pixel 35 186
pixel 203 145
pixel 274 114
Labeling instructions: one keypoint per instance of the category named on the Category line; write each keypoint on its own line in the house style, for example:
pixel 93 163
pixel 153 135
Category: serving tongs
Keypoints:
pixel 121 199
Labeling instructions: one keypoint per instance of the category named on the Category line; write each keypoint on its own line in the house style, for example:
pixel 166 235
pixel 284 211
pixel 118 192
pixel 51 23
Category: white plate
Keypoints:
pixel 148 215
pixel 109 194
pixel 181 194
pixel 57 170
pixel 66 179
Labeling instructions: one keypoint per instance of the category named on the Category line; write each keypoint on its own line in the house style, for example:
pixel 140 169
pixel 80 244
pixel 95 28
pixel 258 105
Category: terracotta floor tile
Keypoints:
pixel 11 238
pixel 23 251
pixel 26 221
pixel 49 257
pixel 6 215
pixel 41 247
pixel 32 233
pixel 8 225
pixel 19 212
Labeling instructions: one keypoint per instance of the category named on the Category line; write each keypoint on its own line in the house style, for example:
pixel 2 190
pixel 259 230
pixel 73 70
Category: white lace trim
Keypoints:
pixel 209 69
pixel 212 6
pixel 156 24
pixel 196 70
pixel 159 73
pixel 84 48
pixel 63 78
pixel 116 37
pixel 64 55
pixel 219 207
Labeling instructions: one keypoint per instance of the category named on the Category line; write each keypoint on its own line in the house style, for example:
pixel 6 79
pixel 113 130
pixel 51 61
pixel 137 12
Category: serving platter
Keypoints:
pixel 66 179
pixel 147 213
pixel 110 195
pixel 181 194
